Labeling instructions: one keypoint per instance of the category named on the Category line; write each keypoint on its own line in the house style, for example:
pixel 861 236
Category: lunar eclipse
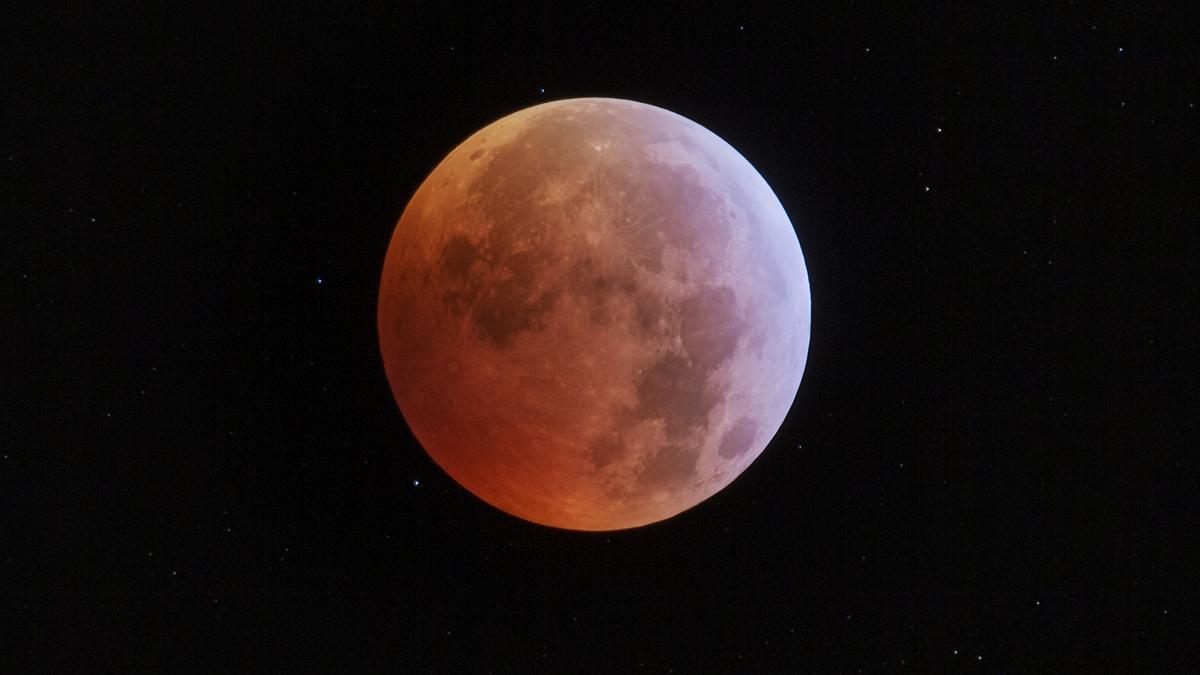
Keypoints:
pixel 594 314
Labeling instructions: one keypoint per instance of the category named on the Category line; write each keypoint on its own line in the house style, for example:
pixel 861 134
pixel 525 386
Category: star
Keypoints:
pixel 320 281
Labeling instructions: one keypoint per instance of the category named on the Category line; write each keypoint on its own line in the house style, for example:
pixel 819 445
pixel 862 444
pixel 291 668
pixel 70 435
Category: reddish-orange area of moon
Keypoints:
pixel 594 314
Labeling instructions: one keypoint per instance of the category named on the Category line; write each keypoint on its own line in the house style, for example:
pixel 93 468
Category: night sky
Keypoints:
pixel 990 463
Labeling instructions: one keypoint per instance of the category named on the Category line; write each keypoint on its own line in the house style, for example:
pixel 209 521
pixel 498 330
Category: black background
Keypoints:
pixel 989 465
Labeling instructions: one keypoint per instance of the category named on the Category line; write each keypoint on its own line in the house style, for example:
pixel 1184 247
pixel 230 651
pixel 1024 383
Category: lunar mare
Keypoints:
pixel 594 314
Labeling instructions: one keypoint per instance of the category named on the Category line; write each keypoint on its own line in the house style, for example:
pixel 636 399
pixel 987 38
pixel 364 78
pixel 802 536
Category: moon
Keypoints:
pixel 594 314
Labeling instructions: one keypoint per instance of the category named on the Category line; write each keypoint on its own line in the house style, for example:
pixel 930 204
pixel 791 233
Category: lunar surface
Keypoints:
pixel 594 314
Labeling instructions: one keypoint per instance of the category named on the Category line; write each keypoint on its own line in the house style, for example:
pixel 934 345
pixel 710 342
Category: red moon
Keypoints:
pixel 594 314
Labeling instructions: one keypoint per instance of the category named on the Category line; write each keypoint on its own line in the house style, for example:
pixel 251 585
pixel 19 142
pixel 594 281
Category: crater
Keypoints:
pixel 676 205
pixel 456 301
pixel 672 466
pixel 606 293
pixel 675 390
pixel 457 256
pixel 606 450
pixel 710 326
pixel 512 311
pixel 737 439
pixel 649 312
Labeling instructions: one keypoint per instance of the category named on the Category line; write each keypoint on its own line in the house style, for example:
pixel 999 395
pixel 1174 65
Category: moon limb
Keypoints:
pixel 627 303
